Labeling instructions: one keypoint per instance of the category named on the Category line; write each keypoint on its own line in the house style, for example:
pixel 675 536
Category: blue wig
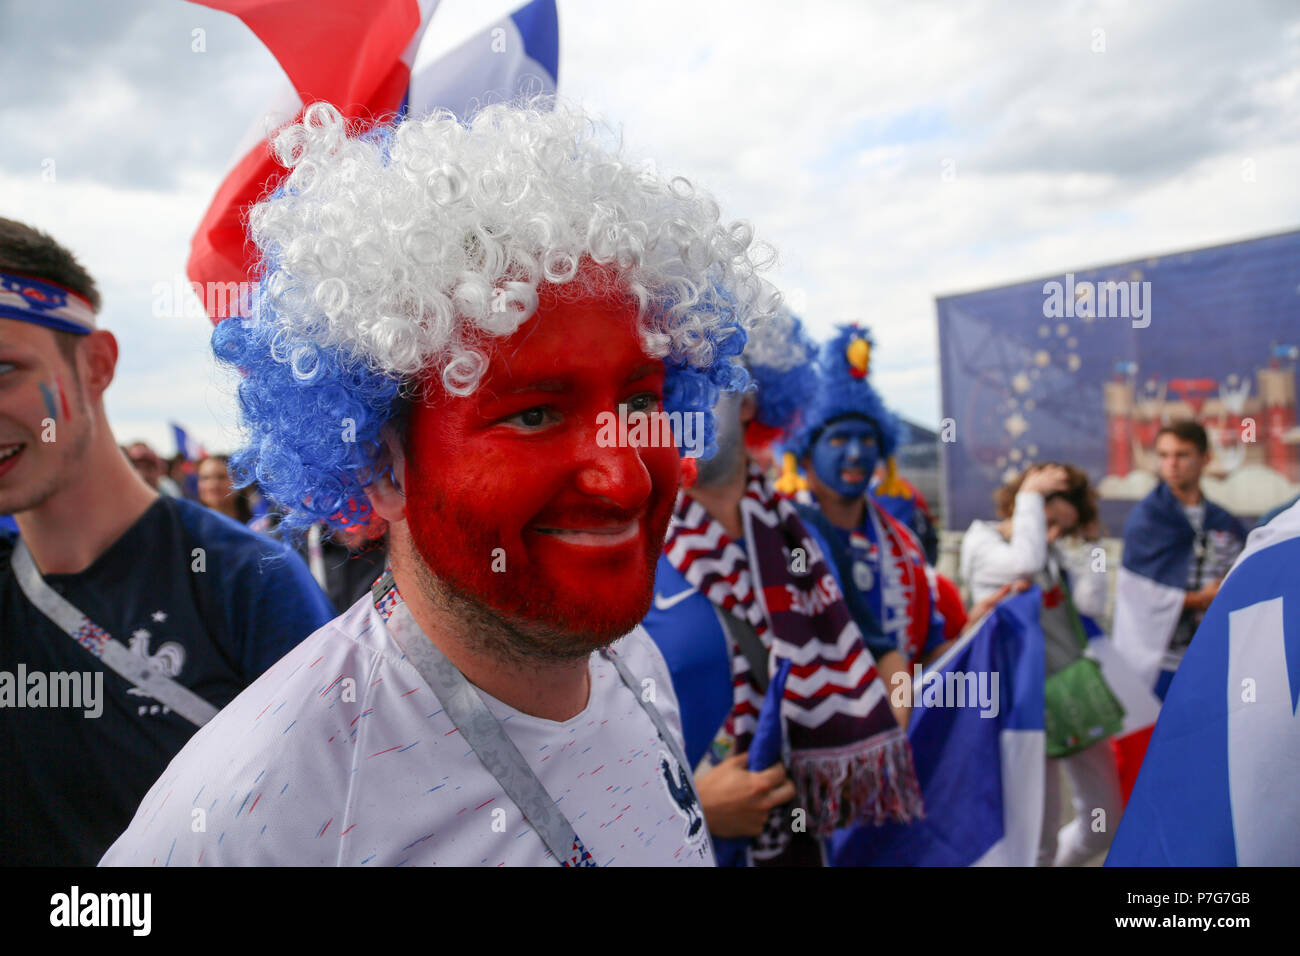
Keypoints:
pixel 780 357
pixel 844 389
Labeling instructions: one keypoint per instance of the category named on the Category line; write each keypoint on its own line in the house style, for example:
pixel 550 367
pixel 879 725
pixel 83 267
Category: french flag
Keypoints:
pixel 358 56
pixel 1149 595
pixel 185 445
pixel 1220 785
pixel 981 769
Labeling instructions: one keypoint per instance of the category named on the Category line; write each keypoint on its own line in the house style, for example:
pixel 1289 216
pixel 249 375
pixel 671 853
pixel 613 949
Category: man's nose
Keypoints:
pixel 615 473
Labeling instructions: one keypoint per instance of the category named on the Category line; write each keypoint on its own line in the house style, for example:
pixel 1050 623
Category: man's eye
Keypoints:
pixel 646 402
pixel 533 418
pixel 836 442
pixel 7 367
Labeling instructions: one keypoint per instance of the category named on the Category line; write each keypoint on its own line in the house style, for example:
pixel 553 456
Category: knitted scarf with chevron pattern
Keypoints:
pixel 850 761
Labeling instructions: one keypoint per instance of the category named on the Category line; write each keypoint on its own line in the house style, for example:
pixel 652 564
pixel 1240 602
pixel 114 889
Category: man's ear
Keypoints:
pixel 98 355
pixel 748 408
pixel 387 494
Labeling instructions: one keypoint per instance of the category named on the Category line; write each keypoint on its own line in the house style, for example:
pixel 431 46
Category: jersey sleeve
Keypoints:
pixel 258 589
pixel 279 603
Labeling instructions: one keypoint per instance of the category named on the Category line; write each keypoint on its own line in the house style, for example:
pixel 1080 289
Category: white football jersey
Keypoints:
pixel 341 755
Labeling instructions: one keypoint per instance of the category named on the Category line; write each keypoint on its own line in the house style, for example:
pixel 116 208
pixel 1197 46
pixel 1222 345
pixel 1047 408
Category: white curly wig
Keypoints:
pixel 405 249
pixel 391 258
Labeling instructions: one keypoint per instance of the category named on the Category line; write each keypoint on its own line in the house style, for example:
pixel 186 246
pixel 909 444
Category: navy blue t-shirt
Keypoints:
pixel 213 621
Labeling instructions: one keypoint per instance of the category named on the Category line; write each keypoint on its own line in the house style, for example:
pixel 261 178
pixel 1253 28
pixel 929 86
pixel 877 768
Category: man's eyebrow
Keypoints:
pixel 544 385
pixel 641 371
pixel 563 385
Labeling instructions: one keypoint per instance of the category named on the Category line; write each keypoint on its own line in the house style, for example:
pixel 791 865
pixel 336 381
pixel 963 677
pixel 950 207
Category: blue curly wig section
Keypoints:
pixel 783 394
pixel 688 390
pixel 314 418
pixel 841 393
pixel 314 415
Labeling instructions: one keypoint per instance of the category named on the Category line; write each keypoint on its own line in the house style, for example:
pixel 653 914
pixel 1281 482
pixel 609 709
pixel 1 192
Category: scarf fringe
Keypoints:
pixel 873 782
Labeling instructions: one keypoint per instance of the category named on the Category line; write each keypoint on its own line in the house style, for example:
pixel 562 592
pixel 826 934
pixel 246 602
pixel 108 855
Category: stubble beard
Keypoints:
pixel 64 470
pixel 507 637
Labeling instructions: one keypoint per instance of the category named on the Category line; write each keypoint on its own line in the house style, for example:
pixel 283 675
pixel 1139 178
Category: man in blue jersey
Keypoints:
pixel 127 617
pixel 724 617
pixel 845 432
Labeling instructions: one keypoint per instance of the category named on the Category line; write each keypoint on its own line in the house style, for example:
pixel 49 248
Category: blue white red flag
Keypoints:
pixel 358 57
pixel 1220 785
pixel 517 55
pixel 977 743
pixel 1149 593
pixel 185 445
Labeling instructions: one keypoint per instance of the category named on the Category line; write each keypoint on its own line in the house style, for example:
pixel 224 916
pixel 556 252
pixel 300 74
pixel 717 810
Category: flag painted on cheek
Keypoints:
pixel 51 408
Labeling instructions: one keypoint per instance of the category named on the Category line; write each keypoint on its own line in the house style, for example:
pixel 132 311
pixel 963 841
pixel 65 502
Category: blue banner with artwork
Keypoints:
pixel 1085 367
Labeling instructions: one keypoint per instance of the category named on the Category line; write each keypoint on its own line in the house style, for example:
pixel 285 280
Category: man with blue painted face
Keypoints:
pixel 846 433
pixel 766 643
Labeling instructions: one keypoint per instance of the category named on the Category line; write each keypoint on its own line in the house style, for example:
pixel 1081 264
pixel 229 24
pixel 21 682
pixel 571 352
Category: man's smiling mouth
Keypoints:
pixel 600 536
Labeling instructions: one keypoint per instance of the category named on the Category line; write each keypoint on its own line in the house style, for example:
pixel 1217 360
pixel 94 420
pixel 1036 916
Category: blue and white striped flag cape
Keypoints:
pixel 1220 785
pixel 184 444
pixel 519 54
pixel 981 772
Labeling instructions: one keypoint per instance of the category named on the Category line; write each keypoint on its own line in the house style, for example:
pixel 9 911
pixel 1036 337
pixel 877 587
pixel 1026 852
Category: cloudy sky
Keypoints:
pixel 891 152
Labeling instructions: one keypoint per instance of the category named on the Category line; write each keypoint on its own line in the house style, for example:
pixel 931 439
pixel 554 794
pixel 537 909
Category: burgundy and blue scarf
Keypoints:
pixel 850 761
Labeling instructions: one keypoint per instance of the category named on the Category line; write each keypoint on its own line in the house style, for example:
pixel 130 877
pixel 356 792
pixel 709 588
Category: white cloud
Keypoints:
pixel 825 124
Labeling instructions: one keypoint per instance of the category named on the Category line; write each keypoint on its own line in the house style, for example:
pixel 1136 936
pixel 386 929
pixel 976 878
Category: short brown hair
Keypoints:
pixel 1078 492
pixel 1189 431
pixel 32 253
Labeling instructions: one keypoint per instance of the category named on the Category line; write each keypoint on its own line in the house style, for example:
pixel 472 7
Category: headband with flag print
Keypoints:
pixel 44 303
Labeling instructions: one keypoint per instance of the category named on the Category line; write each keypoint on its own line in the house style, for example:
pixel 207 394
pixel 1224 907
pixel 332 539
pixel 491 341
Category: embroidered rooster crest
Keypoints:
pixel 678 784
pixel 167 660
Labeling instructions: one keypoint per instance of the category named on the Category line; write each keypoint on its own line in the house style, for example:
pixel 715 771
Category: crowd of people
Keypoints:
pixel 431 615
pixel 344 566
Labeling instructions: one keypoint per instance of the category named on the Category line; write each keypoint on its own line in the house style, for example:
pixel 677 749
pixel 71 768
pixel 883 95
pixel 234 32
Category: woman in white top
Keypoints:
pixel 1036 509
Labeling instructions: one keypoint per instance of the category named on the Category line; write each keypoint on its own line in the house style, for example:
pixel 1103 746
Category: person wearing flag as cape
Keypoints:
pixel 1178 545
pixel 764 645
pixel 843 434
pixel 448 315
pixel 1220 784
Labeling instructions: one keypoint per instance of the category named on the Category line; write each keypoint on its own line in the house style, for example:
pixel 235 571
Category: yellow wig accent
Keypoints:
pixel 894 486
pixel 790 480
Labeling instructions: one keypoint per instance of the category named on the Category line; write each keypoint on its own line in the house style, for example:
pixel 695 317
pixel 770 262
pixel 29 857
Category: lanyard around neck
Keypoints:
pixel 483 732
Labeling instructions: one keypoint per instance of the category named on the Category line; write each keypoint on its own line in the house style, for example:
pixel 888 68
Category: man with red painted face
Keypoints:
pixel 449 320
pixel 126 617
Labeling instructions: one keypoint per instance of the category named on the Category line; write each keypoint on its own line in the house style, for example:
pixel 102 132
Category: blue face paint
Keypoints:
pixel 846 445
pixel 51 408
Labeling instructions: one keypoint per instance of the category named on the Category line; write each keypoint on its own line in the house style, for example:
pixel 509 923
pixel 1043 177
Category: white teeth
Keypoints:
pixel 10 452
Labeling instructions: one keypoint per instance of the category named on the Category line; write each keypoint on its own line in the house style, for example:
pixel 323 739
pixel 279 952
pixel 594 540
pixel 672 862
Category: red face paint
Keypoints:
pixel 516 466
pixel 63 398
